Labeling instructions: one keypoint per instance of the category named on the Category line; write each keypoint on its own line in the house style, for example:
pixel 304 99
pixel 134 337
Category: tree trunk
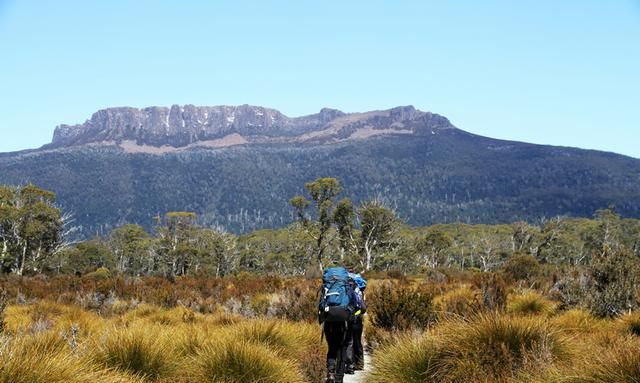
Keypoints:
pixel 21 259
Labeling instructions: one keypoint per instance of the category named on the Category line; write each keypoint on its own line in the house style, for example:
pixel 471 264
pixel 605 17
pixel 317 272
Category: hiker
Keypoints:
pixel 355 349
pixel 337 308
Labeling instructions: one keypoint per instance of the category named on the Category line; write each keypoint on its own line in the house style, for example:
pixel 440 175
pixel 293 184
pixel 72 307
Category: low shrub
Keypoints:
pixel 394 306
pixel 522 267
pixel 493 291
pixel 462 302
pixel 376 338
pixel 298 302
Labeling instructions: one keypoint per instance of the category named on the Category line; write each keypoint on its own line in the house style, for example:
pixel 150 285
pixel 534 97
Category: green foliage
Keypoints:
pixel 247 188
pixel 88 256
pixel 614 277
pixel 31 228
pixel 433 247
pixel 378 231
pixel 522 267
pixel 323 192
pixel 130 243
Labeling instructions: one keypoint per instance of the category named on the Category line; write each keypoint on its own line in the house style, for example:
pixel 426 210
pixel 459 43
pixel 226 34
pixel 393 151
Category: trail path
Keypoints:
pixel 358 377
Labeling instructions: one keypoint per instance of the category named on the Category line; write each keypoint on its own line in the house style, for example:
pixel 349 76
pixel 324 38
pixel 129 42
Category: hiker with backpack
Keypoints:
pixel 337 308
pixel 355 350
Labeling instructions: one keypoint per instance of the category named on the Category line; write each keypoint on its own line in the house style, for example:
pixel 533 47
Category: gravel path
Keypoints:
pixel 358 377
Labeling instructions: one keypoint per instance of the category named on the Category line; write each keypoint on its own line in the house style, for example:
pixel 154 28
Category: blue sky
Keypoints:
pixel 544 71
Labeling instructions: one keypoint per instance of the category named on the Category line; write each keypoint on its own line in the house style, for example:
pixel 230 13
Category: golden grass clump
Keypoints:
pixel 284 338
pixel 462 302
pixel 578 321
pixel 235 361
pixel 298 342
pixel 408 360
pixel 488 348
pixel 174 316
pixel 630 324
pixel 142 350
pixel 45 316
pixel 530 303
pixel 42 358
pixel 618 363
pixel 222 318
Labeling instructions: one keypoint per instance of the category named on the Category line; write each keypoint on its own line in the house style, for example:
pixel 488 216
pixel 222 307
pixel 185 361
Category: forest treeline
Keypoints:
pixel 35 237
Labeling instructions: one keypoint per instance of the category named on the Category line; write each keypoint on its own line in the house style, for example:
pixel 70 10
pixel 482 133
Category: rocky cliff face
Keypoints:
pixel 182 126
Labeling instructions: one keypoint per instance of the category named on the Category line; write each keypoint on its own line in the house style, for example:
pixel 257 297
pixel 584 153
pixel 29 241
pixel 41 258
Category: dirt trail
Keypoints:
pixel 359 376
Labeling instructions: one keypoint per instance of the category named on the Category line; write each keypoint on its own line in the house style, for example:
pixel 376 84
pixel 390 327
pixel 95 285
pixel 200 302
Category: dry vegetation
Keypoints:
pixel 54 342
pixel 528 339
pixel 469 327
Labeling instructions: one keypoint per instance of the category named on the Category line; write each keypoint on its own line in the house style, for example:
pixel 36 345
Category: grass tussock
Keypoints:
pixel 619 363
pixel 43 359
pixel 630 324
pixel 462 302
pixel 298 342
pixel 139 350
pixel 488 348
pixel 530 303
pixel 408 360
pixel 577 321
pixel 44 316
pixel 242 362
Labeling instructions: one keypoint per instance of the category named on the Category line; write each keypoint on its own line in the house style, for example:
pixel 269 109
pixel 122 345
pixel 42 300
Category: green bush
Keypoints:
pixel 522 267
pixel 614 277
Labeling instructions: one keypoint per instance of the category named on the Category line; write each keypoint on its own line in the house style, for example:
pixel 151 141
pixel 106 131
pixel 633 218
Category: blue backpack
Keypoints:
pixel 337 298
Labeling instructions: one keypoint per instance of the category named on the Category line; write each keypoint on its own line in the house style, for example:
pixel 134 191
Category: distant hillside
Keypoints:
pixel 238 167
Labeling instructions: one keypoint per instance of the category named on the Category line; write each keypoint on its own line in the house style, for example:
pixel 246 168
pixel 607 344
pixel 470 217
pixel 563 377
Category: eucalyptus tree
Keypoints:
pixel 379 227
pixel 323 193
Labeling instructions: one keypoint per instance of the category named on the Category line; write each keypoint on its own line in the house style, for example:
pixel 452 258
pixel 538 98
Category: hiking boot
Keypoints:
pixel 350 370
pixel 331 378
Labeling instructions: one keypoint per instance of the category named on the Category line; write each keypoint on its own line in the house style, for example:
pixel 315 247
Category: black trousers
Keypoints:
pixel 357 327
pixel 338 335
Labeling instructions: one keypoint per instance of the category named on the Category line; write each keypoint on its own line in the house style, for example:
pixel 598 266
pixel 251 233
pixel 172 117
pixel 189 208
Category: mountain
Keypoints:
pixel 167 129
pixel 238 166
